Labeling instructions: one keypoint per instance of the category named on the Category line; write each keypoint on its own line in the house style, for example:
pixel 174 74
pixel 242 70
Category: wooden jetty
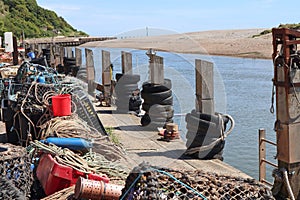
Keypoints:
pixel 64 41
pixel 141 145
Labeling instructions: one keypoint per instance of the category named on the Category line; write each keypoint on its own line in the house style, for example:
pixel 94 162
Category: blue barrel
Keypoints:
pixel 75 144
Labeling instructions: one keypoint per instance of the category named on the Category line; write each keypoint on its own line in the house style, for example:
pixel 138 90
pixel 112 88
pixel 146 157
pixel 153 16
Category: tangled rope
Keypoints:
pixel 67 126
pixel 64 156
pixel 113 169
pixel 91 162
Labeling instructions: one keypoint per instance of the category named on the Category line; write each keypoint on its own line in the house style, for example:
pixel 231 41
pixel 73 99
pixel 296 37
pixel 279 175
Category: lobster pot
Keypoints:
pixel 16 174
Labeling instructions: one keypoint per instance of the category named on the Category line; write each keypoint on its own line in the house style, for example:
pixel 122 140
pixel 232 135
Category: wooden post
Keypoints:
pixel 90 70
pixel 156 67
pixel 106 68
pixel 62 55
pixel 204 87
pixel 69 52
pixel 126 63
pixel 15 52
pixel 262 155
pixel 78 56
pixel 106 76
pixel 52 57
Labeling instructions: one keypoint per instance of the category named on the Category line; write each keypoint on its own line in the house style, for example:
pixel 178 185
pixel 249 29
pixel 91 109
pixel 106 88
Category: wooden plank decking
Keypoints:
pixel 141 145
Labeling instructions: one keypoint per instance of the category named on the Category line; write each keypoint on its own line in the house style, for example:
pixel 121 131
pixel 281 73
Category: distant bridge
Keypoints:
pixel 64 41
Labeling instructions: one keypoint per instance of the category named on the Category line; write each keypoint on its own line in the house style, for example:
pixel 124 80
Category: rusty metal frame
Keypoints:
pixel 262 156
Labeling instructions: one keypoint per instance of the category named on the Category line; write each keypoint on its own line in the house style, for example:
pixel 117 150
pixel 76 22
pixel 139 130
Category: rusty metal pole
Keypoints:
pixel 287 126
pixel 262 155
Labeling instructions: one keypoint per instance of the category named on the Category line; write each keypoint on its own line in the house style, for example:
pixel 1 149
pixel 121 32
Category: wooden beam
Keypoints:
pixel 78 55
pixel 126 63
pixel 156 66
pixel 106 68
pixel 69 52
pixel 62 55
pixel 204 87
pixel 90 70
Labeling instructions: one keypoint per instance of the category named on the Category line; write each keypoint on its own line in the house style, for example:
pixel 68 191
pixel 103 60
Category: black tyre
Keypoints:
pixel 145 120
pixel 166 115
pixel 167 101
pixel 153 88
pixel 125 88
pixel 158 96
pixel 127 78
pixel 208 117
pixel 118 76
pixel 163 108
pixel 197 122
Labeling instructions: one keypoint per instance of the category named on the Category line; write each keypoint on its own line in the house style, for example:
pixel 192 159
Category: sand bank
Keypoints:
pixel 238 43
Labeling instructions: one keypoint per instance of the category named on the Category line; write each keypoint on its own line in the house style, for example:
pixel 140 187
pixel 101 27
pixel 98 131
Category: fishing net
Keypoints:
pixel 16 174
pixel 147 182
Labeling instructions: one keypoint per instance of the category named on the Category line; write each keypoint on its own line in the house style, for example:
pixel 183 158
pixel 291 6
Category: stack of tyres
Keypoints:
pixel 158 104
pixel 204 130
pixel 70 67
pixel 126 84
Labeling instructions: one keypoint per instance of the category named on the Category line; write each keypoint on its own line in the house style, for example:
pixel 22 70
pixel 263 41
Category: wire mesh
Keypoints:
pixel 16 174
pixel 146 182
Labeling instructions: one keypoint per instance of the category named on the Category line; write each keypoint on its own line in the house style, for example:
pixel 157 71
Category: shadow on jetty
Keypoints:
pixel 174 154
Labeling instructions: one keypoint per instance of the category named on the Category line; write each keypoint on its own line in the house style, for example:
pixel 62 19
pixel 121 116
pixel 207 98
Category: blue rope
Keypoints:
pixel 132 184
pixel 185 185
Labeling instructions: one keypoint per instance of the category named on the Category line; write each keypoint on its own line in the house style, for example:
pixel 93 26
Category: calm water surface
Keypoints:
pixel 243 90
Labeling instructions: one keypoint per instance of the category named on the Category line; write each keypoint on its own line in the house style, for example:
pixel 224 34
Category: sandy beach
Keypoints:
pixel 238 43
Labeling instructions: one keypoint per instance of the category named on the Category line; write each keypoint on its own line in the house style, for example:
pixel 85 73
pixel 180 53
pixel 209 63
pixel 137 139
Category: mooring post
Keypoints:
pixel 204 87
pixel 78 56
pixel 62 55
pixel 56 55
pixel 126 63
pixel 52 57
pixel 90 70
pixel 106 75
pixel 156 68
pixel 69 52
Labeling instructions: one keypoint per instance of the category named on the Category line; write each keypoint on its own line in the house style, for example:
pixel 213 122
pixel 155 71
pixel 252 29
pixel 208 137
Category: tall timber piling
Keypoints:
pixel 157 95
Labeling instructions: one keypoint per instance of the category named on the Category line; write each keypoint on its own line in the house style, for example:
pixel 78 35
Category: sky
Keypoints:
pixel 114 18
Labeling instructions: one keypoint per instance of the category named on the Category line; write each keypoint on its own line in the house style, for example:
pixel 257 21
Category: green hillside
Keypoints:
pixel 291 26
pixel 26 16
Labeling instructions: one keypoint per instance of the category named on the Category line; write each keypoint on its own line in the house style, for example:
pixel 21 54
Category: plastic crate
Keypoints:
pixel 54 176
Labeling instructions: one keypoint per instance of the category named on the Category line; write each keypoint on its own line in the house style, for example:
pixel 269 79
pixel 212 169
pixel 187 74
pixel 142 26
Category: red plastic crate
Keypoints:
pixel 54 176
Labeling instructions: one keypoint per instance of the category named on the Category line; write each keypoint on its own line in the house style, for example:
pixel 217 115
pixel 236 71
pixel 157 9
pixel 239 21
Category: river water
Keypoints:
pixel 242 88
